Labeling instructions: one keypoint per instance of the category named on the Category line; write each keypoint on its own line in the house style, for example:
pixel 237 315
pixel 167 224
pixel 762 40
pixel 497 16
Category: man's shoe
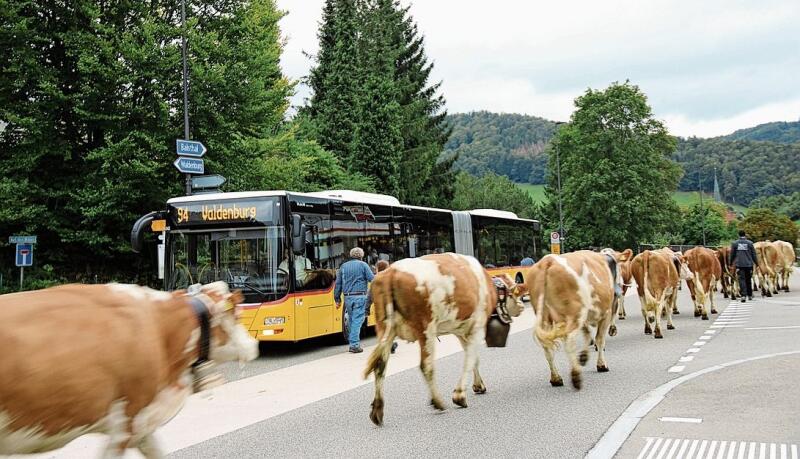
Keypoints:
pixel 394 346
pixel 742 299
pixel 355 350
pixel 750 298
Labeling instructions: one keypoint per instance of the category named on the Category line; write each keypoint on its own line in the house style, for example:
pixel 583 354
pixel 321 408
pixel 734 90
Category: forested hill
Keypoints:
pixel 779 131
pixel 507 144
pixel 746 169
pixel 513 145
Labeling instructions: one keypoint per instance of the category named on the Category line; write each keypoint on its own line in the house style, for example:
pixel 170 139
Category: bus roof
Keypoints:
pixel 344 195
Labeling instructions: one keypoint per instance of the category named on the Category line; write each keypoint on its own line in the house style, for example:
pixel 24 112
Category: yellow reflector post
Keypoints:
pixel 158 225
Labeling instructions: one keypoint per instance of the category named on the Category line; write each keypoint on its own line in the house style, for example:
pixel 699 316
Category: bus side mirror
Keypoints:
pixel 298 235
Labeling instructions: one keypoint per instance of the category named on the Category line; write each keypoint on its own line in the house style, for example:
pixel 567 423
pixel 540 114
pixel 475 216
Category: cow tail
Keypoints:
pixel 547 337
pixel 384 312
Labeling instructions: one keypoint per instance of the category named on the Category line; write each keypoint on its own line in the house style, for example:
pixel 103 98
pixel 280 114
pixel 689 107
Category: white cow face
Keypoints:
pixel 229 339
pixel 514 303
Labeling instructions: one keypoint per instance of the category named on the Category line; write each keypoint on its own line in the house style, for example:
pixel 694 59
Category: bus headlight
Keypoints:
pixel 275 321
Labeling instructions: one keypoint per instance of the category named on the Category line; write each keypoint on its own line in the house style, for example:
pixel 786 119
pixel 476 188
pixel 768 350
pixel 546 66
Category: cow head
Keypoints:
pixel 685 273
pixel 513 300
pixel 228 340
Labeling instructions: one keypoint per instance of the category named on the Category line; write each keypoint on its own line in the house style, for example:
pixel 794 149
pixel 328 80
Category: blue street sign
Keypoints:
pixel 22 239
pixel 190 165
pixel 190 148
pixel 24 254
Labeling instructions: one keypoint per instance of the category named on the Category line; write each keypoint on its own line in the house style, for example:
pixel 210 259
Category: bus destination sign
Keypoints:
pixel 218 212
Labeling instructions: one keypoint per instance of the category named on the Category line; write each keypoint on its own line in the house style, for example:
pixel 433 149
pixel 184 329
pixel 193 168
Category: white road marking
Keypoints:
pixel 693 350
pixel 676 369
pixel 773 328
pixel 687 420
pixel 686 358
pixel 618 433
pixel 710 332
pixel 699 343
pixel 727 326
pixel 705 337
pixel 658 447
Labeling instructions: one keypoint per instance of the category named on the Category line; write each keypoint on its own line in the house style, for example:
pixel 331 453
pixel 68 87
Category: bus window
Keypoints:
pixel 247 260
pixel 347 229
pixel 412 240
pixel 441 232
pixel 379 233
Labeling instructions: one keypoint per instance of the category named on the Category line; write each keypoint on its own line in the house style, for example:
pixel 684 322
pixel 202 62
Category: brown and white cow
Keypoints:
pixel 729 281
pixel 706 272
pixel 787 263
pixel 625 279
pixel 682 267
pixel 419 299
pixel 569 293
pixel 656 278
pixel 113 359
pixel 769 259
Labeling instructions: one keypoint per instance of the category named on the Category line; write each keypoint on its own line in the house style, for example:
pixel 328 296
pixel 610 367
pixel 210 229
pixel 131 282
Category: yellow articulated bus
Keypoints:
pixel 281 248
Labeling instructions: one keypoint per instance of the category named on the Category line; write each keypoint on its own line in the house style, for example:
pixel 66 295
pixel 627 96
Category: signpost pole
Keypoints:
pixel 185 90
pixel 21 276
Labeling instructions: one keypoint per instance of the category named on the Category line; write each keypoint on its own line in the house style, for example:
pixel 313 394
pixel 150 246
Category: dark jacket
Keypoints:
pixel 743 253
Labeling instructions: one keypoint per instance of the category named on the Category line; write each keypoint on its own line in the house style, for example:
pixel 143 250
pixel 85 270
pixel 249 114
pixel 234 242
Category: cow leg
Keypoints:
pixel 555 377
pixel 659 311
pixel 118 430
pixel 670 306
pixel 711 298
pixel 427 350
pixel 150 448
pixel 600 339
pixel 621 311
pixel 384 347
pixel 583 357
pixel 470 345
pixel 571 348
pixel 647 330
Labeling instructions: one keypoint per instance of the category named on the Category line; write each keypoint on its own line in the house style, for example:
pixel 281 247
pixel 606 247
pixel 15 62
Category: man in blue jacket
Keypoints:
pixel 352 281
pixel 743 256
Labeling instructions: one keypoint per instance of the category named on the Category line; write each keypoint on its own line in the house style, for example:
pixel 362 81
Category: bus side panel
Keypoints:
pixel 266 322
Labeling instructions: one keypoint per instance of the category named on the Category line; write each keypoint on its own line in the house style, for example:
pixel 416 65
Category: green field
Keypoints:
pixel 683 198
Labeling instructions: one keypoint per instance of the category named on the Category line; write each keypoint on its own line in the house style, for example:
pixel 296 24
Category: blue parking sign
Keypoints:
pixel 24 255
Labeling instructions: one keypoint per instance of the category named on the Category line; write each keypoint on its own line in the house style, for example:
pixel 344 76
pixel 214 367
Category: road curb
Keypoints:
pixel 620 430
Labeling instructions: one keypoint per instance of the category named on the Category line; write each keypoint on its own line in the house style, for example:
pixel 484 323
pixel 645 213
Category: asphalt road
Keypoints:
pixel 521 415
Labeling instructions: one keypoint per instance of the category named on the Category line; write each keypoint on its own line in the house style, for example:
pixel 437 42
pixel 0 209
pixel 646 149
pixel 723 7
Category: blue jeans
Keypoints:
pixel 356 307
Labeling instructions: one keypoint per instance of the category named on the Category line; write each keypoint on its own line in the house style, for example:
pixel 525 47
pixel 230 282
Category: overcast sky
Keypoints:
pixel 708 67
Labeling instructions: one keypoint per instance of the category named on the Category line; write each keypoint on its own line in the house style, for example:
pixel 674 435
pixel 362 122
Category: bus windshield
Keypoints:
pixel 251 260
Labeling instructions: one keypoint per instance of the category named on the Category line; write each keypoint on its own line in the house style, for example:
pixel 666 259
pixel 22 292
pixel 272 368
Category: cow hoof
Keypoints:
pixel 658 335
pixel 714 311
pixel 621 317
pixel 675 311
pixel 583 357
pixel 769 295
pixel 557 382
pixel 576 379
pixel 479 389
pixel 647 331
pixel 705 316
pixel 436 403
pixel 612 330
pixel 460 398
pixel 697 313
pixel 725 295
pixel 670 327
pixel 376 415
pixel 602 369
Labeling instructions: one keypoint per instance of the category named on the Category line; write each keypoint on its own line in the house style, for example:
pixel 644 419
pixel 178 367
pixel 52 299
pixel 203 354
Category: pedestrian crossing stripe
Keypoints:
pixel 689 448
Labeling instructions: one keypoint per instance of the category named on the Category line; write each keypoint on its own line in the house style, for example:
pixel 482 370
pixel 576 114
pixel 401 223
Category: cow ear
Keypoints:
pixel 626 255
